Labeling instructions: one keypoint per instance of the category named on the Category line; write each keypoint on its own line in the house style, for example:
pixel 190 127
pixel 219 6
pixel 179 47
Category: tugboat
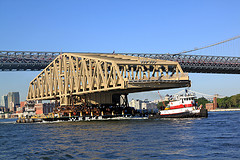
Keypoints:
pixel 183 106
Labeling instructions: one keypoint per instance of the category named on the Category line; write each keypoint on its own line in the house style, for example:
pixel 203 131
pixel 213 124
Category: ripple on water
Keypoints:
pixel 215 137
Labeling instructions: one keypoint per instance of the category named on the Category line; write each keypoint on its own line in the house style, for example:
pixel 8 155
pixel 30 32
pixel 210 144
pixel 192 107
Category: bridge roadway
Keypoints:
pixel 32 60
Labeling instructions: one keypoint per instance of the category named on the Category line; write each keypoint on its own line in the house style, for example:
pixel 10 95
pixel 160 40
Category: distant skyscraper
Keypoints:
pixel 13 97
pixel 4 101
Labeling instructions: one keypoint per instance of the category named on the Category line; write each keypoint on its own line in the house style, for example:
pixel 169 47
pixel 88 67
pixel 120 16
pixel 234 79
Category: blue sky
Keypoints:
pixel 133 26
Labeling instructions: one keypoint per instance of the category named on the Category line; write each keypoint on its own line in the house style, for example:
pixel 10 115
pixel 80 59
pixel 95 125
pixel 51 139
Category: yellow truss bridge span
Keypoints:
pixel 77 78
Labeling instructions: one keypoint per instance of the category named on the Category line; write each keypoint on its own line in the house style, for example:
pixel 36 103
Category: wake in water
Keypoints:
pixel 8 120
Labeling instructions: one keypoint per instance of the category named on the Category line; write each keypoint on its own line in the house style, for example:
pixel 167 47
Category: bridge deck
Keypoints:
pixel 30 60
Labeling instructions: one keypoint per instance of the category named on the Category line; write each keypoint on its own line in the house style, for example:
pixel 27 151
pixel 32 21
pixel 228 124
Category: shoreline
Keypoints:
pixel 222 110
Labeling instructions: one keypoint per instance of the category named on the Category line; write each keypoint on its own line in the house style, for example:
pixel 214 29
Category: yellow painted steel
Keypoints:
pixel 96 77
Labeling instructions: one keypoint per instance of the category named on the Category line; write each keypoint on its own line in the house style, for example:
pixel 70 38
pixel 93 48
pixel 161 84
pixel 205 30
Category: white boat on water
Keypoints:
pixel 182 106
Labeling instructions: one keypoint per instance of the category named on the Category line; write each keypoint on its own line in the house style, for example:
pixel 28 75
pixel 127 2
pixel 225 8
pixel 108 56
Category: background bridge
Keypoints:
pixel 29 60
pixel 198 62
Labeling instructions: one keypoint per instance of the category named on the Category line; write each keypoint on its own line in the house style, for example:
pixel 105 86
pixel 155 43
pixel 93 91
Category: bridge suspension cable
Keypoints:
pixel 201 94
pixel 208 46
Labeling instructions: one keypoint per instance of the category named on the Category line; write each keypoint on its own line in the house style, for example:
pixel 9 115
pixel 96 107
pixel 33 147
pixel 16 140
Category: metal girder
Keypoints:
pixel 30 60
pixel 25 60
pixel 200 63
pixel 95 77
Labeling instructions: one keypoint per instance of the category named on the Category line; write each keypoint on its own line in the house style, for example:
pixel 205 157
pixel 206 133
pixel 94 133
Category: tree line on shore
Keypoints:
pixel 229 102
pixel 226 102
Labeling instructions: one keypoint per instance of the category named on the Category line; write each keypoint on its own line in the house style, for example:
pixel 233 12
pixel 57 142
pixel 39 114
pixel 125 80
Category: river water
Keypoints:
pixel 215 137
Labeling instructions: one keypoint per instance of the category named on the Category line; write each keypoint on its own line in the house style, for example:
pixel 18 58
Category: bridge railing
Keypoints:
pixel 30 60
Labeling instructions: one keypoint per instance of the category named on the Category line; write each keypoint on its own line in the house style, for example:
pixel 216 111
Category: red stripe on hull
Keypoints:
pixel 172 113
pixel 181 106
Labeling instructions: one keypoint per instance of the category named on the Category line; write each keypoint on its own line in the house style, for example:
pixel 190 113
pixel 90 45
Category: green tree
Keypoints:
pixel 229 102
pixel 202 101
pixel 160 104
pixel 235 100
pixel 222 102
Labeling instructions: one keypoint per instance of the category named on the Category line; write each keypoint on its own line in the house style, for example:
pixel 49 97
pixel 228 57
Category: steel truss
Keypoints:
pixel 25 60
pixel 30 60
pixel 77 78
pixel 200 63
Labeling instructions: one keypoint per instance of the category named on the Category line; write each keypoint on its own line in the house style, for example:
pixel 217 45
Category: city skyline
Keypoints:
pixel 120 26
pixel 10 102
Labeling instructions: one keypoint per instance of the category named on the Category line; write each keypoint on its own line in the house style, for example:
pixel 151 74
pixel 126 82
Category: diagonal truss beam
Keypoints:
pixel 81 74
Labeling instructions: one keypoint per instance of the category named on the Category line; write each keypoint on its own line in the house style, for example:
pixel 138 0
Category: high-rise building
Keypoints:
pixel 13 98
pixel 4 101
pixel 137 104
pixel 143 105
